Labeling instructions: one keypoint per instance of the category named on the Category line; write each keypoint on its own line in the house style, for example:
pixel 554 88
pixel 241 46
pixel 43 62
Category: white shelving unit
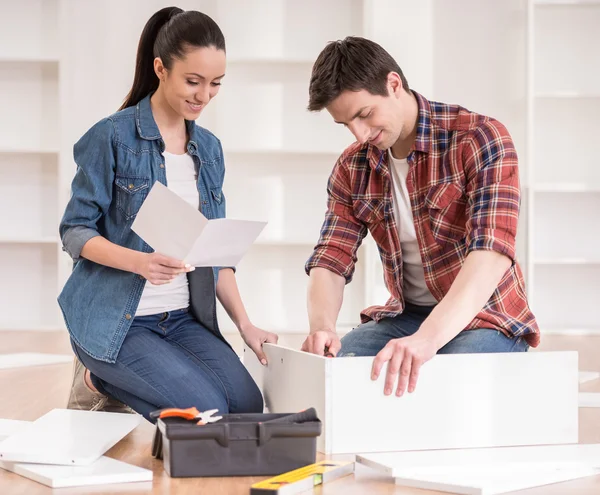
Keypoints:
pixel 564 198
pixel 278 155
pixel 65 73
pixel 29 164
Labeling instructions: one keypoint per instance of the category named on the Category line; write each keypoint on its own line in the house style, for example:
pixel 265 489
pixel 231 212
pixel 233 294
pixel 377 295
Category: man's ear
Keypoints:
pixel 394 84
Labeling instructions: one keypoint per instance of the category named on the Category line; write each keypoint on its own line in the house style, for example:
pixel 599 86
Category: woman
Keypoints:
pixel 143 324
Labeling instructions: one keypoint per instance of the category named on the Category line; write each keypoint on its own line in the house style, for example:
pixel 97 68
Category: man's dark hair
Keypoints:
pixel 350 64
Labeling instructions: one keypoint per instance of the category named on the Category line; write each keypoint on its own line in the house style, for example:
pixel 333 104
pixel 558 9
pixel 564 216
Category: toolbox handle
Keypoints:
pixel 267 431
pixel 217 431
pixel 305 416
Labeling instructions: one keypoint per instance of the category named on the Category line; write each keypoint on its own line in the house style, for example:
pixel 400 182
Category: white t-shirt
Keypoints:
pixel 181 179
pixel 415 289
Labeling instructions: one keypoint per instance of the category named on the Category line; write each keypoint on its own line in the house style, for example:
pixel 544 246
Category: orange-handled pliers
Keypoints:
pixel 190 413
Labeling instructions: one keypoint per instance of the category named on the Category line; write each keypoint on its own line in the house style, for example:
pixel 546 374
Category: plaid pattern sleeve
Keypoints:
pixel 492 189
pixel 341 233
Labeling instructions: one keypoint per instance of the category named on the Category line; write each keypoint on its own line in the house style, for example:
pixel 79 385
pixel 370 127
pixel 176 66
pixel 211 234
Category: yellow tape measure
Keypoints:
pixel 302 479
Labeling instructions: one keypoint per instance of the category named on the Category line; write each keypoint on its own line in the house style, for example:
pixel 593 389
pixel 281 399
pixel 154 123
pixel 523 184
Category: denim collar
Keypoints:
pixel 147 128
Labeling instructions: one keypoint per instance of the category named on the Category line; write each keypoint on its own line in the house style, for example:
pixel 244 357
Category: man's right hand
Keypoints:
pixel 318 342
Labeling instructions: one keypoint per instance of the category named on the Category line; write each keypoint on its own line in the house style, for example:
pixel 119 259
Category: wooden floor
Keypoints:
pixel 28 393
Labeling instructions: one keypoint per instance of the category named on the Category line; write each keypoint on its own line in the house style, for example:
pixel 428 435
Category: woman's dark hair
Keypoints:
pixel 168 34
pixel 351 64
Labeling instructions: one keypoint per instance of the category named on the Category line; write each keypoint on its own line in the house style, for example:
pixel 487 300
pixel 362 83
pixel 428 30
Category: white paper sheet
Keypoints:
pixel 172 226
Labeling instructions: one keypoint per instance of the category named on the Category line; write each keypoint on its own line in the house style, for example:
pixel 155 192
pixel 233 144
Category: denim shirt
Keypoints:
pixel 118 160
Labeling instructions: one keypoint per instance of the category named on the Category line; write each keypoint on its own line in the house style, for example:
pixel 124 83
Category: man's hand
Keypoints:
pixel 317 342
pixel 404 357
pixel 255 337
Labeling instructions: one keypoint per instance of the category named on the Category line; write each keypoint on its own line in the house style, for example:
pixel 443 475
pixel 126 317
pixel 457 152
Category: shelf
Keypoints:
pixel 31 59
pixel 28 151
pixel 566 187
pixel 566 261
pixel 285 243
pixel 570 331
pixel 308 153
pixel 566 95
pixel 228 327
pixel 550 3
pixel 33 327
pixel 29 240
pixel 271 60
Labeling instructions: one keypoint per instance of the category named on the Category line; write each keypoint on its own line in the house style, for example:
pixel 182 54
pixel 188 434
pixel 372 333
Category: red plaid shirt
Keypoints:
pixel 463 183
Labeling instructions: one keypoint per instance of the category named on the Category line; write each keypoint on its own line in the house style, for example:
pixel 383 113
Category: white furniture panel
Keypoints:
pixel 440 462
pixel 461 401
pixel 493 481
pixel 104 471
pixel 68 437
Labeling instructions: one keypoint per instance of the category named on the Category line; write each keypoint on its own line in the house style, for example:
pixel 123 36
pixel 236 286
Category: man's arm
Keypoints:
pixel 332 263
pixel 325 296
pixel 490 164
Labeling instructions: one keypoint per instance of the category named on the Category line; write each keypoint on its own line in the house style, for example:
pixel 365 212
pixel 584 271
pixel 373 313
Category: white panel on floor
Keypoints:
pixel 537 457
pixel 23 359
pixel 493 481
pixel 588 376
pixel 11 426
pixel 461 400
pixel 101 472
pixel 68 437
pixel 588 399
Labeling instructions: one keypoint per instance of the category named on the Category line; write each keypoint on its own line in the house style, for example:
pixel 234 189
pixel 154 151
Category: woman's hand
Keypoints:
pixel 255 337
pixel 159 269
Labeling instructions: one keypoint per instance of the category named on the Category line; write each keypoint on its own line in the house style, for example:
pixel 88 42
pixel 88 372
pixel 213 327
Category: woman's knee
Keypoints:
pixel 249 399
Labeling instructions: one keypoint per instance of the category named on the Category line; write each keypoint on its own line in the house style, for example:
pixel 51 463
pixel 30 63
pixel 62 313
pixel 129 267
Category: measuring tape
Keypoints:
pixel 302 479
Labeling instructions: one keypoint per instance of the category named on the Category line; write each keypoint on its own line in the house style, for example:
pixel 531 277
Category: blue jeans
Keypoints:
pixel 170 360
pixel 369 338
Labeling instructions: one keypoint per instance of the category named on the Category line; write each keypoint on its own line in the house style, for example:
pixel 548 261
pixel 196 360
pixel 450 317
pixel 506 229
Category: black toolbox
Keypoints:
pixel 237 445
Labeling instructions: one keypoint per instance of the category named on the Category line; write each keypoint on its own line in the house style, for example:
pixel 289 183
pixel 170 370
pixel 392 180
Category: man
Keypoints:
pixel 437 186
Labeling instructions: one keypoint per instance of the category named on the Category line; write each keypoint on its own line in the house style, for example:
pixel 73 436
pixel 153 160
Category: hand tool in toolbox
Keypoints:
pixel 190 413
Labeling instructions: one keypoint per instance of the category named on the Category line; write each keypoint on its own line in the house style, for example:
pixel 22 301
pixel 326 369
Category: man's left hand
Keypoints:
pixel 404 356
